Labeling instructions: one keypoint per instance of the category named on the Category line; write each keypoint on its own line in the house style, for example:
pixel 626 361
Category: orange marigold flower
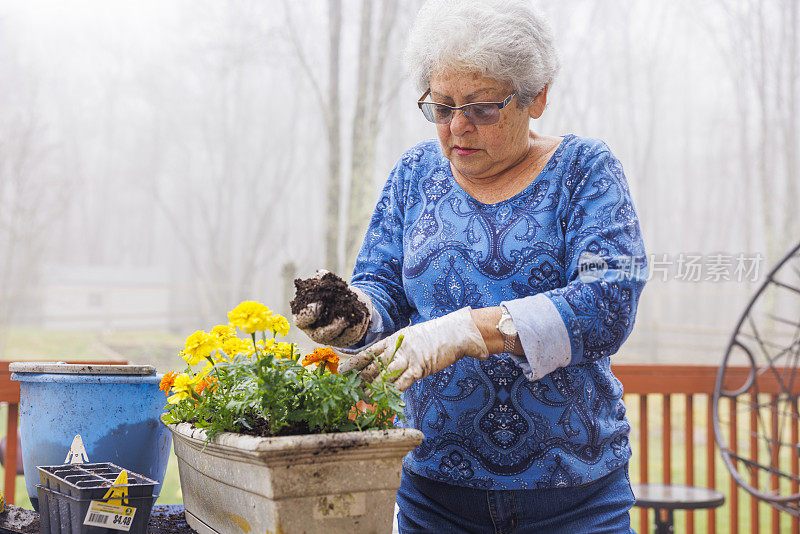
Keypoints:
pixel 363 407
pixel 203 384
pixel 323 356
pixel 360 406
pixel 166 382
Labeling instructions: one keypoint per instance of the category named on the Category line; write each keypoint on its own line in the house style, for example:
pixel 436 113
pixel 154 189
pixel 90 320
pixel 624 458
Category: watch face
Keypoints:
pixel 506 326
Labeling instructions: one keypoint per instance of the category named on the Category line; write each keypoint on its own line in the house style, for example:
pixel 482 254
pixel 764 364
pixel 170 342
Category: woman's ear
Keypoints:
pixel 536 109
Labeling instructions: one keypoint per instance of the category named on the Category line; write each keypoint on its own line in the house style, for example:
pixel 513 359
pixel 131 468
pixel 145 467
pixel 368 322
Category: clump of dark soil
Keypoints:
pixel 334 296
pixel 260 428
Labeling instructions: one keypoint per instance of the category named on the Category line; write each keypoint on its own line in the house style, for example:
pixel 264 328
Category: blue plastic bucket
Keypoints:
pixel 117 416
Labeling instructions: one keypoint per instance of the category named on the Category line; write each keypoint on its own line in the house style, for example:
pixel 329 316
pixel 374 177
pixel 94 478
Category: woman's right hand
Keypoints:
pixel 425 348
pixel 342 326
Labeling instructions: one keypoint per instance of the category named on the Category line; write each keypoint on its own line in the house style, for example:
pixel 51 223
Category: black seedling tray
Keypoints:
pixel 64 514
pixel 91 481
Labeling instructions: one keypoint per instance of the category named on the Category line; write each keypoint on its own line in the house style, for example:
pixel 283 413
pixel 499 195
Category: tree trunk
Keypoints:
pixel 366 125
pixel 766 172
pixel 288 274
pixel 359 198
pixel 789 118
pixel 332 187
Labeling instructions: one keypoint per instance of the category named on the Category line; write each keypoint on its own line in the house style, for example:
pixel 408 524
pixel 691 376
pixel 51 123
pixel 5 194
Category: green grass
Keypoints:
pixel 140 347
pixel 153 348
pixel 678 465
pixel 32 344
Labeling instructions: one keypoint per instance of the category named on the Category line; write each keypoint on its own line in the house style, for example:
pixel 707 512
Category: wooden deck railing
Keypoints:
pixel 656 393
pixel 653 395
pixel 9 394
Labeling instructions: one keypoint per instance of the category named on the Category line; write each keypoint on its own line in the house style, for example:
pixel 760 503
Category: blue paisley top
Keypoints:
pixel 554 417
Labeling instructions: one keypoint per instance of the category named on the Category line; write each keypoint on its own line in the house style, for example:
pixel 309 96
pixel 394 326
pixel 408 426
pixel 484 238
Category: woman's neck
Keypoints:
pixel 514 178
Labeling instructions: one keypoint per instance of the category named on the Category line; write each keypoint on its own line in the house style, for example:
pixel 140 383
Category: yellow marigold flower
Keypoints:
pixel 166 382
pixel 182 382
pixel 250 317
pixel 182 387
pixel 283 350
pixel 279 325
pixel 262 347
pixel 279 349
pixel 177 397
pixel 234 345
pixel 199 346
pixel 217 356
pixel 323 356
pixel 224 332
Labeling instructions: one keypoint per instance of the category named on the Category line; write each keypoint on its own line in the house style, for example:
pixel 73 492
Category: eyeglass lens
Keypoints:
pixel 478 114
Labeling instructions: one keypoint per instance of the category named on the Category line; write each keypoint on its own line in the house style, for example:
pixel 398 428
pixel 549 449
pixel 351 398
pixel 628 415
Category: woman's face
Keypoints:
pixel 479 152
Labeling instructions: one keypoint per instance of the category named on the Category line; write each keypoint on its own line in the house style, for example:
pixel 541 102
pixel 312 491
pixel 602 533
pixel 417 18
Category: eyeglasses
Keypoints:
pixel 478 113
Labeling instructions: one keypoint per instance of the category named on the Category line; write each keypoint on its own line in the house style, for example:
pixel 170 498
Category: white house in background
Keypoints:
pixel 102 297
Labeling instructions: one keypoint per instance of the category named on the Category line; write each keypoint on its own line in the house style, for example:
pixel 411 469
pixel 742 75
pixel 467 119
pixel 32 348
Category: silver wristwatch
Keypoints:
pixel 507 330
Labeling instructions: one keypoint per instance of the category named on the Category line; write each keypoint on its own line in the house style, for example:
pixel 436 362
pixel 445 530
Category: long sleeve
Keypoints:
pixel 378 267
pixel 605 262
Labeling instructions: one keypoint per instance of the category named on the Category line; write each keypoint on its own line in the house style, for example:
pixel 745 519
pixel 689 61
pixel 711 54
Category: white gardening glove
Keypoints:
pixel 336 332
pixel 426 348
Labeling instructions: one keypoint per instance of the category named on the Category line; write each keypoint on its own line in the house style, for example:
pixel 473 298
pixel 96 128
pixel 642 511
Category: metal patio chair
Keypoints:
pixel 762 455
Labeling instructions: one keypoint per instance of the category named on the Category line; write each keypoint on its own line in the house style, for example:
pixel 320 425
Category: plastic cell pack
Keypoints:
pixel 67 492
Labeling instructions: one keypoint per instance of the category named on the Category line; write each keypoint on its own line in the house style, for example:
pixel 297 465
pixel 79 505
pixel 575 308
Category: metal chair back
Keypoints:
pixel 762 456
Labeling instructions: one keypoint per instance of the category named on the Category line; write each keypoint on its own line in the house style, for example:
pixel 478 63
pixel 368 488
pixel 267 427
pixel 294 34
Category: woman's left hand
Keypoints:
pixel 426 348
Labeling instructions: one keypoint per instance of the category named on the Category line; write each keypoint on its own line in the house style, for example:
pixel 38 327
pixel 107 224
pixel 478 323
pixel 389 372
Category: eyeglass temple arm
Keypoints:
pixel 500 105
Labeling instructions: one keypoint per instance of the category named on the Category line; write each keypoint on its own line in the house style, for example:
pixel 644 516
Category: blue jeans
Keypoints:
pixel 430 506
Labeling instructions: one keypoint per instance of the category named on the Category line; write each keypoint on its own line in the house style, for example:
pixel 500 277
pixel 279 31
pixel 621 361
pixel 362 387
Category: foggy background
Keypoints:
pixel 162 161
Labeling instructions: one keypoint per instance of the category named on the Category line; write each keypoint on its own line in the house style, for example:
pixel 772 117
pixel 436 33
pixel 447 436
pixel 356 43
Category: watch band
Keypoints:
pixel 509 342
pixel 509 337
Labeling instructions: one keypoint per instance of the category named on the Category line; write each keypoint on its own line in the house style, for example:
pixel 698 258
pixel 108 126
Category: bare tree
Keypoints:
pixel 224 187
pixel 31 201
pixel 332 120
pixel 372 61
pixel 762 55
pixel 369 95
pixel 32 198
pixel 329 101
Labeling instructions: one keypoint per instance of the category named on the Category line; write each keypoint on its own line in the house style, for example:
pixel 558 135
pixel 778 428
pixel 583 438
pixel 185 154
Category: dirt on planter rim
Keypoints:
pixel 169 523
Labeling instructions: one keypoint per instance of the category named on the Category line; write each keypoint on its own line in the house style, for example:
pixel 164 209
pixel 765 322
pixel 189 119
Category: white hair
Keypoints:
pixel 507 40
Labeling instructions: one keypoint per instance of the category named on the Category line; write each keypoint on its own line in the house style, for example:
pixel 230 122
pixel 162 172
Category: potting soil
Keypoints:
pixel 334 296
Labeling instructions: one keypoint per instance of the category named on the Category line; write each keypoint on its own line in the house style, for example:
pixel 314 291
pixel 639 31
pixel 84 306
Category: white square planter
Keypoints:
pixel 333 483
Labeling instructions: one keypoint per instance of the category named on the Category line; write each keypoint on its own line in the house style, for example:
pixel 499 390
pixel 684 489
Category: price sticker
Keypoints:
pixel 115 517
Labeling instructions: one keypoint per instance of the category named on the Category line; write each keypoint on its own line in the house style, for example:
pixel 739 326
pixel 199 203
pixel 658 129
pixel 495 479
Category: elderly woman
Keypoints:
pixel 512 263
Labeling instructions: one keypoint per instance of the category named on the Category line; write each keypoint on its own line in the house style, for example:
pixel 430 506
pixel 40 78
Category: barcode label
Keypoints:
pixel 97 518
pixel 101 514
